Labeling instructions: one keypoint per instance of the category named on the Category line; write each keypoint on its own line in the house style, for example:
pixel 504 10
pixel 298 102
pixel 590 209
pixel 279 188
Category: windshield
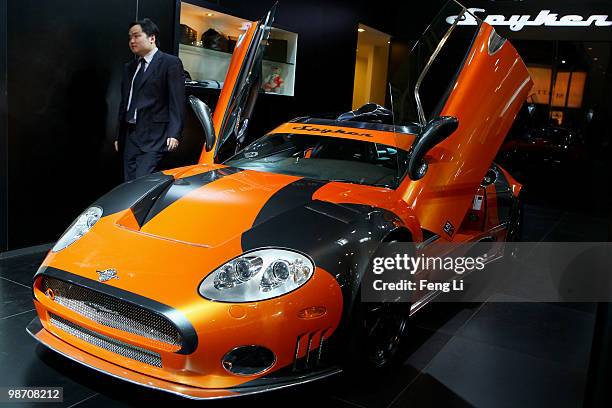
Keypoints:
pixel 324 158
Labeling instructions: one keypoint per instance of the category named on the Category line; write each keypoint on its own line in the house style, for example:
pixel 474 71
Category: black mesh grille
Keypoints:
pixel 112 312
pixel 107 343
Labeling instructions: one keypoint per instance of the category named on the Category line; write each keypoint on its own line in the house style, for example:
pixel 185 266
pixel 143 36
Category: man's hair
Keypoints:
pixel 148 27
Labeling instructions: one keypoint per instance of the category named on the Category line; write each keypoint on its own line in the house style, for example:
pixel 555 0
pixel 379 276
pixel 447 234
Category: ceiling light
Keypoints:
pixel 595 59
pixel 388 42
pixel 209 14
pixel 563 61
pixel 361 30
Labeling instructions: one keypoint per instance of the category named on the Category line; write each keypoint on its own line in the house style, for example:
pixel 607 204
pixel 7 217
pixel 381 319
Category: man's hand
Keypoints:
pixel 116 145
pixel 172 144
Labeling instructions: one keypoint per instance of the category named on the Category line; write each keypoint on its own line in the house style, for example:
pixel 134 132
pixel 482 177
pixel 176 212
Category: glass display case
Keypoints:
pixel 206 42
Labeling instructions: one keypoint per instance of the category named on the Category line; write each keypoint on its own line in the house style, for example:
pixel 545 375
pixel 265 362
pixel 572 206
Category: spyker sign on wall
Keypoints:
pixel 548 18
pixel 543 20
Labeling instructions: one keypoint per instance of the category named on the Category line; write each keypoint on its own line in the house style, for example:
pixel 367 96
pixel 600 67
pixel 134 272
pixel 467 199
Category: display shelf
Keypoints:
pixel 229 53
pixel 203 63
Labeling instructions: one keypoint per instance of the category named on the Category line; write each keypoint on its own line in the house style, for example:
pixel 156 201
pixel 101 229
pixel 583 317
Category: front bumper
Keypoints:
pixel 36 330
pixel 195 366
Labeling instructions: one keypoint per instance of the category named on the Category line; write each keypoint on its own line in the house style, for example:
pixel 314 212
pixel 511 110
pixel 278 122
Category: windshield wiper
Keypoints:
pixel 361 184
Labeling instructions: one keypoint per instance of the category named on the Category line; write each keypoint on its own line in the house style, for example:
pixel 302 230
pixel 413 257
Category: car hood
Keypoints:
pixel 210 206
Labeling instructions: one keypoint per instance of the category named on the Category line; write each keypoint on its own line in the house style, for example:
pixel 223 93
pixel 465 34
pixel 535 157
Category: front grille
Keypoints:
pixel 107 343
pixel 112 312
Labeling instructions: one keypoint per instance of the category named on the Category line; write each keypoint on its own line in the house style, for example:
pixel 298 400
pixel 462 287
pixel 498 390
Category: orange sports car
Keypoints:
pixel 242 275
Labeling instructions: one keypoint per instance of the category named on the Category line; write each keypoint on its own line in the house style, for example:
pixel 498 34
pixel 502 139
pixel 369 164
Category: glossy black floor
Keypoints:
pixel 491 354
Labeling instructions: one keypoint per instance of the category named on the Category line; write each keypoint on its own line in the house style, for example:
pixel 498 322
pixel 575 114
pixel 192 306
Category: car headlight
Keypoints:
pixel 79 227
pixel 258 275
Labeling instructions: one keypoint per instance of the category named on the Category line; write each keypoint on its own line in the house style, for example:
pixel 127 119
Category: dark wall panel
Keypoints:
pixel 3 133
pixel 64 69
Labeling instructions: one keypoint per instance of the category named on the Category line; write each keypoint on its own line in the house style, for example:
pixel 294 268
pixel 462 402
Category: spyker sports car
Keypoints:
pixel 243 275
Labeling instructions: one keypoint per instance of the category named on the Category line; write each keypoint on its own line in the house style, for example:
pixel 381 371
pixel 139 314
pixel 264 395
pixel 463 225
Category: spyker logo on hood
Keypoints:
pixel 309 128
pixel 107 274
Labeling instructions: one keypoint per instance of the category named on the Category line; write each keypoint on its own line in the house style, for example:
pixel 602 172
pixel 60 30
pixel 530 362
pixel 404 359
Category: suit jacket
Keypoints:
pixel 160 104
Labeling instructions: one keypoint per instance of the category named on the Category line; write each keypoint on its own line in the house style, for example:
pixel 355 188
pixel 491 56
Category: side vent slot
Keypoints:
pixel 309 350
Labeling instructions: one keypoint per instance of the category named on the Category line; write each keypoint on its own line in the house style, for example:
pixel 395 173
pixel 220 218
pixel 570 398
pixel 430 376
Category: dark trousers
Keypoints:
pixel 137 163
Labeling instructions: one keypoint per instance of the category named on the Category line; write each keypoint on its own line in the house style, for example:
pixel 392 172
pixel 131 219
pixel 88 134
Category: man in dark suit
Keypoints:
pixel 151 112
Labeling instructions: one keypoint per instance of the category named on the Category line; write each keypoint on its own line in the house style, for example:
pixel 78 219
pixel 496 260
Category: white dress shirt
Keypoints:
pixel 148 58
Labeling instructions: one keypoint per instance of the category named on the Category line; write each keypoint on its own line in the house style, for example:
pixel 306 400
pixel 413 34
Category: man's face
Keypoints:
pixel 140 43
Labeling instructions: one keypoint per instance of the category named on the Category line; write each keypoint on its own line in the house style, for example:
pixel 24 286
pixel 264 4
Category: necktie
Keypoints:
pixel 135 86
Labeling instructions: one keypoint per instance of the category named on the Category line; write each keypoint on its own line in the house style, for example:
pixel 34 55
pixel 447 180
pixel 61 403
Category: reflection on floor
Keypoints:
pixel 492 354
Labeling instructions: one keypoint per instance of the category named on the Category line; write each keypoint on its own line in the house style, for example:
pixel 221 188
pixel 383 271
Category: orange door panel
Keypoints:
pixel 489 91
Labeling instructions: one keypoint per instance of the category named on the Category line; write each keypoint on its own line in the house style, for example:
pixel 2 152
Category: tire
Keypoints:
pixel 376 333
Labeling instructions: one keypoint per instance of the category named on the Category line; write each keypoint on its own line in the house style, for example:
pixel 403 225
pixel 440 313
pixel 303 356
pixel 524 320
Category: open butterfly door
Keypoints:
pixel 240 89
pixel 485 94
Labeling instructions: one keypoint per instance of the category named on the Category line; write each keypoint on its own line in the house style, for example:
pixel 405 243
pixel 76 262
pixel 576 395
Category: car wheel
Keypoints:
pixel 378 329
pixel 382 326
pixel 376 334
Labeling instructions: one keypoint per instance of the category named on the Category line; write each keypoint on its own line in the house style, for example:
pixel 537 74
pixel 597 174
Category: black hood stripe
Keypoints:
pixel 292 219
pixel 325 231
pixel 142 208
pixel 128 194
pixel 293 195
pixel 184 186
pixel 313 228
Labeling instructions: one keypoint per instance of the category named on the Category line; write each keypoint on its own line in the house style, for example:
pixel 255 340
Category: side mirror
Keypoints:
pixel 202 111
pixel 433 133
